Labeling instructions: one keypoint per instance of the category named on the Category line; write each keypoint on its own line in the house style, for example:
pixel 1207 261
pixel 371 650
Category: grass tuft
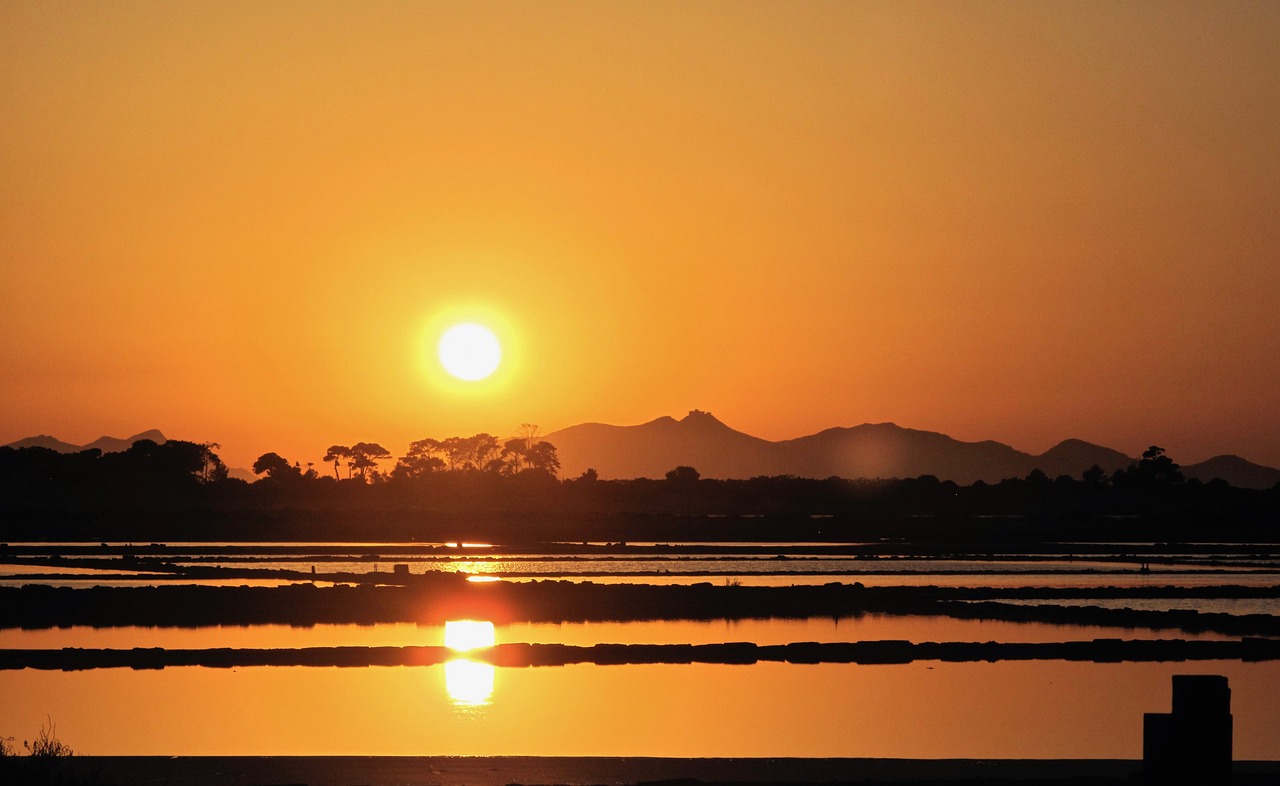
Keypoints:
pixel 47 745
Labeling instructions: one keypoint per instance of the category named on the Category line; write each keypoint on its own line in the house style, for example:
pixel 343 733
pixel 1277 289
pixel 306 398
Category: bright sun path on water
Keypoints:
pixel 469 683
pixel 469 351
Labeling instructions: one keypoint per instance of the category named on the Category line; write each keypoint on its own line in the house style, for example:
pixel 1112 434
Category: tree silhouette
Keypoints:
pixel 1159 467
pixel 528 432
pixel 335 454
pixel 365 457
pixel 1153 469
pixel 212 469
pixel 519 456
pixel 525 452
pixel 424 457
pixel 683 474
pixel 181 459
pixel 542 457
pixel 1095 476
pixel 478 452
pixel 1037 477
pixel 276 467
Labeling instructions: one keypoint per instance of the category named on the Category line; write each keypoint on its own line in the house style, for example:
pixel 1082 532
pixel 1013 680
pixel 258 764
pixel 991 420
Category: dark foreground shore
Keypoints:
pixel 485 771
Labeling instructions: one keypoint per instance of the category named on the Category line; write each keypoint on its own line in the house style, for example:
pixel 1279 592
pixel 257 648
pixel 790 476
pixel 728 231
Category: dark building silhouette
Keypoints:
pixel 1192 744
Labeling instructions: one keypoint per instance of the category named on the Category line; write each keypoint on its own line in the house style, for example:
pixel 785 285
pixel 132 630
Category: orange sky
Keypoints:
pixel 240 221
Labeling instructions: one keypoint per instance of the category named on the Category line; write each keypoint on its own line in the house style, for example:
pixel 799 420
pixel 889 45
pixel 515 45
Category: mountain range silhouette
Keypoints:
pixel 872 450
pixel 105 444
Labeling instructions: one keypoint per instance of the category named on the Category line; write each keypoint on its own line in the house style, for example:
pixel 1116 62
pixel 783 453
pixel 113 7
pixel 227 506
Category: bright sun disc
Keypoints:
pixel 469 351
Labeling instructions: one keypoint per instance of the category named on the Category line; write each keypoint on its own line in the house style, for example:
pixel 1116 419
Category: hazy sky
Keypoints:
pixel 1025 221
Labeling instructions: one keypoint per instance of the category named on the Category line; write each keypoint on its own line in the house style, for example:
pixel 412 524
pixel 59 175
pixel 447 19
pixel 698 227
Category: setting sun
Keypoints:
pixel 469 351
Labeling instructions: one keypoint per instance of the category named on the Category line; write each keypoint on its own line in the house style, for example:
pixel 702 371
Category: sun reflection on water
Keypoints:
pixel 468 682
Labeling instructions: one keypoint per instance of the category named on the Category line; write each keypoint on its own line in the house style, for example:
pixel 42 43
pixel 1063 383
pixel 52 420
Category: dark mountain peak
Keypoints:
pixel 43 441
pixel 702 420
pixel 1234 470
pixel 117 445
pixel 105 444
pixel 864 429
pixel 889 430
pixel 665 421
pixel 1230 459
pixel 698 416
pixel 1073 456
pixel 1071 445
pixel 651 449
pixel 886 427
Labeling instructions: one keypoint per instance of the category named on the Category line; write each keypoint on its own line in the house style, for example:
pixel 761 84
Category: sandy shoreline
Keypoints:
pixel 492 771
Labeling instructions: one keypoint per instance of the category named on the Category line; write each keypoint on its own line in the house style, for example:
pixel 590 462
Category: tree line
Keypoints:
pixel 512 487
pixel 522 454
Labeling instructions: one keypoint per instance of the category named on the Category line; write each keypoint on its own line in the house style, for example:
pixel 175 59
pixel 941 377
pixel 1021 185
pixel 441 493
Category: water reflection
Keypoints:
pixel 468 682
pixel 937 710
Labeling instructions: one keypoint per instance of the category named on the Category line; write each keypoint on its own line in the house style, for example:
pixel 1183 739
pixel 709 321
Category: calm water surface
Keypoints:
pixel 1046 709
pixel 1042 709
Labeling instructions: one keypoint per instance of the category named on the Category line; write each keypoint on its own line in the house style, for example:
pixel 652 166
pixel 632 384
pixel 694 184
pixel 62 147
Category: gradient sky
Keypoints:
pixel 242 222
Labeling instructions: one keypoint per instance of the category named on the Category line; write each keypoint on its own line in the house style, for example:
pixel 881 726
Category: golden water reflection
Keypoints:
pixel 927 710
pixel 468 682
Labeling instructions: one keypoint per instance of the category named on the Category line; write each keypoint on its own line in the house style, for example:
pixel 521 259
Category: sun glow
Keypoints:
pixel 469 351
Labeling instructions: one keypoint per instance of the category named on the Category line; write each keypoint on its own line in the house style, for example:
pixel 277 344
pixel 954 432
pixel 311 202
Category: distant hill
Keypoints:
pixel 114 445
pixel 879 450
pixel 240 473
pixel 885 450
pixel 1074 456
pixel 105 444
pixel 1234 470
pixel 650 449
pixel 45 441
